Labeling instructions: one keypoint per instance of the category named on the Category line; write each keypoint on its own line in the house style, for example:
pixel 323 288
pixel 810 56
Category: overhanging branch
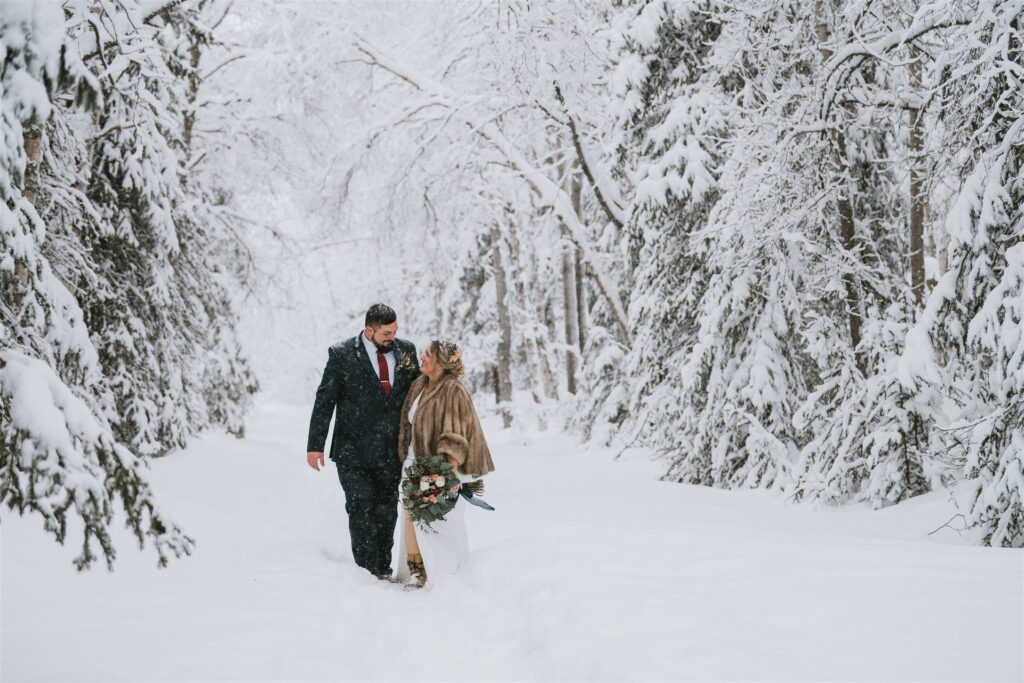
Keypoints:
pixel 549 193
pixel 578 145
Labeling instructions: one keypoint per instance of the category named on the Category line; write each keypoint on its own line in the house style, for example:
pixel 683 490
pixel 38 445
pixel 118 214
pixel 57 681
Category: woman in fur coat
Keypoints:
pixel 438 418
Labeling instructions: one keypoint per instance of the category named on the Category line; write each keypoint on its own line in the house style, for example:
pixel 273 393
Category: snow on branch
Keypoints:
pixel 549 193
pixel 611 211
pixel 837 68
pixel 57 456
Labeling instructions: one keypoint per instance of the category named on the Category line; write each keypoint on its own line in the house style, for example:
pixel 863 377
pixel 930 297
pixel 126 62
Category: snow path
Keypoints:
pixel 589 570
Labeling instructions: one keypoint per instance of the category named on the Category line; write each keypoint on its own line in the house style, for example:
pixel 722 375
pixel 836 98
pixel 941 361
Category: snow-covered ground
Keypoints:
pixel 590 569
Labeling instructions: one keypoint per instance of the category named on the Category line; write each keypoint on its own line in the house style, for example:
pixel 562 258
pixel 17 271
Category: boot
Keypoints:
pixel 417 572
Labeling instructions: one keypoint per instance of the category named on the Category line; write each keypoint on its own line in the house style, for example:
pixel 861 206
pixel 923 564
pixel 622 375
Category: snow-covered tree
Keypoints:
pixel 671 132
pixel 501 120
pixel 965 357
pixel 868 439
pixel 164 326
pixel 720 269
pixel 723 265
pixel 60 457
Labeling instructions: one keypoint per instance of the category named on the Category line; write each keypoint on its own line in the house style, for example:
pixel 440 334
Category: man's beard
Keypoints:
pixel 385 347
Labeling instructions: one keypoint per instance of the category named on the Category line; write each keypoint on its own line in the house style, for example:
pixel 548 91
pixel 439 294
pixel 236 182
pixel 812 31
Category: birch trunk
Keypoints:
pixel 581 300
pixel 570 303
pixel 503 370
pixel 572 333
pixel 540 372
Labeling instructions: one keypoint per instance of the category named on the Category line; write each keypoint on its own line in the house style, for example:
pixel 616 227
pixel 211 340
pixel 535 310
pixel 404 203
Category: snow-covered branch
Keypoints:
pixel 839 65
pixel 548 193
pixel 613 212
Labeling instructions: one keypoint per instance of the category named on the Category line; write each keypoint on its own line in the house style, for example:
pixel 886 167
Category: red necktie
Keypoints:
pixel 385 379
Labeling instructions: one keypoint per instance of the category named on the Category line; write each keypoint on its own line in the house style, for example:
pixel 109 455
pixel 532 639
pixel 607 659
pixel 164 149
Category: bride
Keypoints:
pixel 438 418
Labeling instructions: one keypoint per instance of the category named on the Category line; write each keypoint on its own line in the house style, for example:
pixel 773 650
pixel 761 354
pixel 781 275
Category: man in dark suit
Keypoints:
pixel 366 380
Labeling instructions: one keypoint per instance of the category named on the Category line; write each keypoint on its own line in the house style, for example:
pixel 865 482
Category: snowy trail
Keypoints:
pixel 617 577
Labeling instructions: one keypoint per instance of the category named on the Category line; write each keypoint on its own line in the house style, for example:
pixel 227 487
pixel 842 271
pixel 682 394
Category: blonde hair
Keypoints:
pixel 448 355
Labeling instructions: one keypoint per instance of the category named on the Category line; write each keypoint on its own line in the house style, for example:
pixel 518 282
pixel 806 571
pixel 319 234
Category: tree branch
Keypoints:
pixel 548 192
pixel 860 51
pixel 611 213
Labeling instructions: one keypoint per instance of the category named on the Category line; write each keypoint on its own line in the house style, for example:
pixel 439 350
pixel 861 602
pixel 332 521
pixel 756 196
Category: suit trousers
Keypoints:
pixel 371 501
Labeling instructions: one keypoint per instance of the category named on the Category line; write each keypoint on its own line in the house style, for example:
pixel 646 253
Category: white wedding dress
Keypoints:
pixel 445 547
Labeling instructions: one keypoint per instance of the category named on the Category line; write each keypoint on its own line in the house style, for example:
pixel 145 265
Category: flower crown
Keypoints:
pixel 452 349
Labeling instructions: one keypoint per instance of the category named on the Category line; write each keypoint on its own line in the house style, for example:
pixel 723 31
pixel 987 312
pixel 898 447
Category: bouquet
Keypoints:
pixel 431 488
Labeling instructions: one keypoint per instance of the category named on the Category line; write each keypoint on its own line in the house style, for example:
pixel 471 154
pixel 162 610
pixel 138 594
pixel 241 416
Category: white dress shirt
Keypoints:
pixel 371 351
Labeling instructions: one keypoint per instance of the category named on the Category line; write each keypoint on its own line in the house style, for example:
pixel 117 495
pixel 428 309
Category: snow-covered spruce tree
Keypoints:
pixel 671 129
pixel 207 228
pixel 968 347
pixel 59 456
pixel 742 369
pixel 745 373
pixel 157 310
pixel 796 258
pixel 869 440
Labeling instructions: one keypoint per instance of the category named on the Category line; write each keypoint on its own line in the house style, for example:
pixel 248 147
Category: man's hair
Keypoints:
pixel 380 314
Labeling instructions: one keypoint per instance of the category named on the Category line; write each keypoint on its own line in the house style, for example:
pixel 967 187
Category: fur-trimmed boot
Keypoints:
pixel 417 572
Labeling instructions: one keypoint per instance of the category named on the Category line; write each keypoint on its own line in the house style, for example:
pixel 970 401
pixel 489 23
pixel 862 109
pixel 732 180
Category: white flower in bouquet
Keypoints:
pixel 424 485
pixel 440 482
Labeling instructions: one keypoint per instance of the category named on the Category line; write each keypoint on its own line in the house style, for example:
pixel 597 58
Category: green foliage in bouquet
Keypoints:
pixel 430 490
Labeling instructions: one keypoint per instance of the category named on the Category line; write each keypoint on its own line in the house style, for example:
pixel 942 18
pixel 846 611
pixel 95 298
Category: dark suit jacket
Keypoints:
pixel 366 426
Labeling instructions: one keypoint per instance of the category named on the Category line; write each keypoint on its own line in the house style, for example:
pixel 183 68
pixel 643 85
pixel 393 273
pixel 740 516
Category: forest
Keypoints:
pixel 777 243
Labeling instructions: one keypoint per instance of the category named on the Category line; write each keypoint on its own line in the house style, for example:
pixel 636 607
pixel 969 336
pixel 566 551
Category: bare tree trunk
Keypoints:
pixel 34 152
pixel 503 370
pixel 581 299
pixel 549 381
pixel 846 233
pixel 569 284
pixel 932 247
pixel 33 141
pixel 844 204
pixel 917 199
pixel 541 380
pixel 943 249
pixel 572 333
pixel 193 93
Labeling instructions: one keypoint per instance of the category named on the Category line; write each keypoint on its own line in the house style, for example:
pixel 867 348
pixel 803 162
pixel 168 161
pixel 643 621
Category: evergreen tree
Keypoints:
pixel 967 349
pixel 60 456
pixel 868 440
pixel 162 318
pixel 670 126
pixel 716 302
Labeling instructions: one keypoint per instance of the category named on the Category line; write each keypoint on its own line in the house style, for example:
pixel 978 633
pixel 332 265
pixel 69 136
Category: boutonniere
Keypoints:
pixel 406 362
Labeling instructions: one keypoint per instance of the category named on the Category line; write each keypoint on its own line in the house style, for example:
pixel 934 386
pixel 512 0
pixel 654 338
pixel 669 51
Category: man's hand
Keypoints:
pixel 315 459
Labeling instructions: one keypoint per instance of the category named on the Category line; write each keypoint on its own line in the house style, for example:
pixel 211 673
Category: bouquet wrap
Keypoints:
pixel 430 490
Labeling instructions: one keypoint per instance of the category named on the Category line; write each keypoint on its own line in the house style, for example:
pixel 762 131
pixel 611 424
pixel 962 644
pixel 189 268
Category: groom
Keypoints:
pixel 366 379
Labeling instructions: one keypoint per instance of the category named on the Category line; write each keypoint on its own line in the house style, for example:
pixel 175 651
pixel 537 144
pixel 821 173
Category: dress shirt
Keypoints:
pixel 371 351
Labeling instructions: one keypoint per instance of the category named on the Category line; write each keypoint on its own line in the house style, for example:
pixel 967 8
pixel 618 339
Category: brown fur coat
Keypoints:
pixel 445 422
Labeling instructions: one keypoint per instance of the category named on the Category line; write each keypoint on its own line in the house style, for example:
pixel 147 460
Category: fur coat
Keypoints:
pixel 445 422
